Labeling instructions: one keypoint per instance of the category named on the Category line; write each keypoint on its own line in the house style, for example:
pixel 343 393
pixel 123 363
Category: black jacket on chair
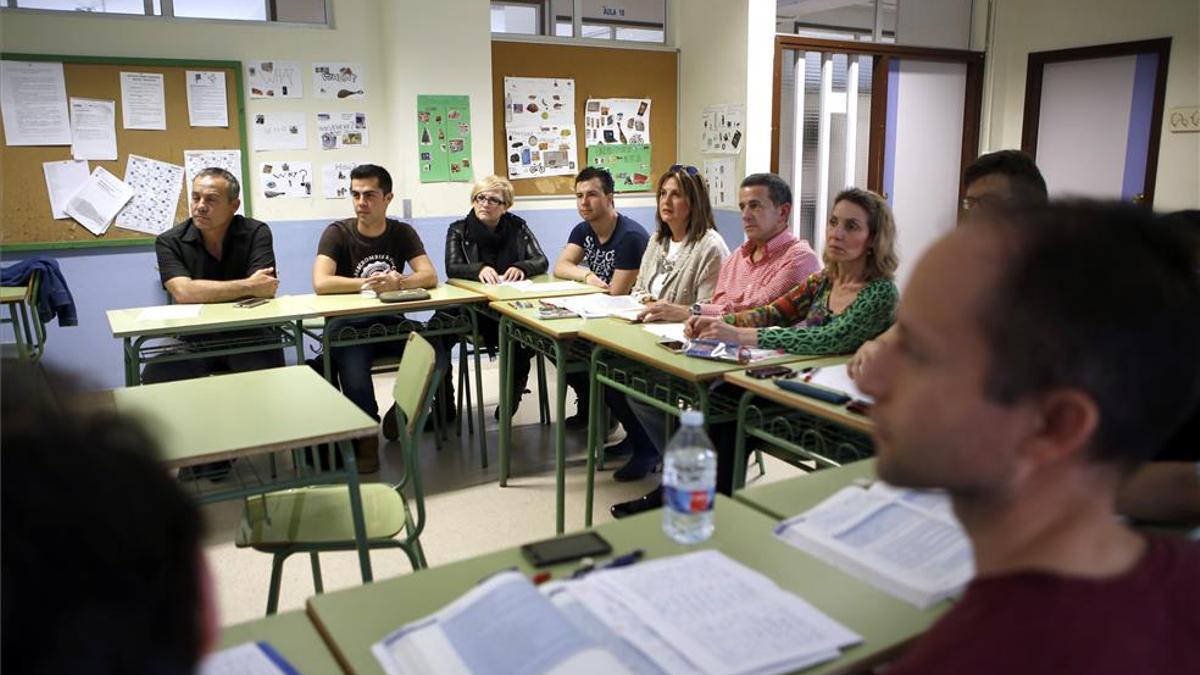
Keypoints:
pixel 462 253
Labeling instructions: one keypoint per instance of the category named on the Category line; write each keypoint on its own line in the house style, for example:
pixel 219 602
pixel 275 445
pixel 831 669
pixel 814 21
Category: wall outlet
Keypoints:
pixel 1184 119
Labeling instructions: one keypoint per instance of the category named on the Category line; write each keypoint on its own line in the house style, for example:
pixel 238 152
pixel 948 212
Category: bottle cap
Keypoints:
pixel 692 418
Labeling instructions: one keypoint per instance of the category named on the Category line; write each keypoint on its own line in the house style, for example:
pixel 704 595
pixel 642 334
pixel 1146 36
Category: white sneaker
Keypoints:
pixel 616 434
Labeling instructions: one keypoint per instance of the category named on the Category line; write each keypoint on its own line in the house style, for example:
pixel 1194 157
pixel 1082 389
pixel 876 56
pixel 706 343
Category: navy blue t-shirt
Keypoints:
pixel 622 251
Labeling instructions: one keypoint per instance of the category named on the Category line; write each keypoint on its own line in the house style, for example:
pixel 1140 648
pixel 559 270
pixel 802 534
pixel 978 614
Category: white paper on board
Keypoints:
pixel 155 199
pixel 342 130
pixel 62 180
pixel 335 179
pixel 274 79
pixel 339 80
pixel 98 200
pixel 279 131
pixel 33 102
pixel 542 151
pixel 195 161
pixel 143 104
pixel 207 105
pixel 282 180
pixel 609 121
pixel 93 129
pixel 722 188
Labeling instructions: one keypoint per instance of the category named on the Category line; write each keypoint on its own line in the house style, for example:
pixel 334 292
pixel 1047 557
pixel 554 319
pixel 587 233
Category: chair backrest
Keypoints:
pixel 413 378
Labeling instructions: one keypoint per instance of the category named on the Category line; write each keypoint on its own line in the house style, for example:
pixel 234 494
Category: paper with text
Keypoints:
pixel 63 178
pixel 207 105
pixel 93 129
pixel 169 312
pixel 33 102
pixel 274 79
pixel 98 200
pixel 599 305
pixel 251 658
pixel 155 201
pixel 143 104
pixel 279 131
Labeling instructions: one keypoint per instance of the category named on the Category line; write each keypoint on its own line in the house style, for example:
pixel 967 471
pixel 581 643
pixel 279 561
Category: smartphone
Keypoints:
pixel 768 372
pixel 676 346
pixel 247 303
pixel 565 549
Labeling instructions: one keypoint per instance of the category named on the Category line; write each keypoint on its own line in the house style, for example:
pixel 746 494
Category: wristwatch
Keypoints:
pixel 696 310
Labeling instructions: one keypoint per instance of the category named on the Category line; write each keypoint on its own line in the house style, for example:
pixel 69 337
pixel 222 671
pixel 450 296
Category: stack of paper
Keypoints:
pixel 696 613
pixel 904 542
pixel 599 305
pixel 250 658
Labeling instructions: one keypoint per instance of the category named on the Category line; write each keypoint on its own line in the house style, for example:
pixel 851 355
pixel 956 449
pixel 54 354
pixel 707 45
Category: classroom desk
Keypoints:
pixel 282 315
pixel 628 358
pixel 243 414
pixel 496 292
pixel 785 498
pixel 291 634
pixel 352 620
pixel 555 338
pixel 29 335
pixel 806 428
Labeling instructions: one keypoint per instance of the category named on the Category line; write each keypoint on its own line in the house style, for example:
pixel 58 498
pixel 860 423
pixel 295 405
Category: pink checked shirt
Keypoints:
pixel 742 284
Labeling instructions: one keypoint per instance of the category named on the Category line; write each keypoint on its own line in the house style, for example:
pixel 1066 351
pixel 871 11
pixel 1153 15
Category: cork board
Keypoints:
pixel 25 219
pixel 599 72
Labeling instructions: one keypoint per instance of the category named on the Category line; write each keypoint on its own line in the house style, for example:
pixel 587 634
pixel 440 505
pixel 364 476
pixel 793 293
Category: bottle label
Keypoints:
pixel 689 501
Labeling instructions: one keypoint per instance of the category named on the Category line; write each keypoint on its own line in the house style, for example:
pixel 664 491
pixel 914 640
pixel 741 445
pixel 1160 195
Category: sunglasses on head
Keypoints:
pixel 685 168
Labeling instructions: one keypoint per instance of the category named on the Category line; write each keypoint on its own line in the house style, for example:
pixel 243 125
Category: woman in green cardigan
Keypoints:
pixel 837 309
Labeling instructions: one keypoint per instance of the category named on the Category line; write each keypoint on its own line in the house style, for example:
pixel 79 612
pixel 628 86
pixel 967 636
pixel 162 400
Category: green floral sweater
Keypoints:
pixel 811 327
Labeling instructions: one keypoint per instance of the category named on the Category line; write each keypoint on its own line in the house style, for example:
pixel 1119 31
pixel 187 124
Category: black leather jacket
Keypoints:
pixel 462 254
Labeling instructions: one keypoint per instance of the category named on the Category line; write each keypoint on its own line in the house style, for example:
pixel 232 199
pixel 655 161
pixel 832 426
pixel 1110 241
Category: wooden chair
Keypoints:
pixel 318 519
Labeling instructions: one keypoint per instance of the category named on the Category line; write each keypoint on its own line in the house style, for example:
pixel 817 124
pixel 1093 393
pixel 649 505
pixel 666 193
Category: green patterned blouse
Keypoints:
pixel 811 328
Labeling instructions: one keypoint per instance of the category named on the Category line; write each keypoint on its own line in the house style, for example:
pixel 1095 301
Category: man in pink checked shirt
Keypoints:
pixel 770 263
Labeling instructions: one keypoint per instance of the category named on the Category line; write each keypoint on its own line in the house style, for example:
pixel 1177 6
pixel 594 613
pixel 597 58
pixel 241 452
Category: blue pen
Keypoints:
pixel 625 560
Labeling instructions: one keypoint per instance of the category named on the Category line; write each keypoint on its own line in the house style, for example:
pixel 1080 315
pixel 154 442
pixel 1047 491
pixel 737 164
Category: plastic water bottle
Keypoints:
pixel 689 482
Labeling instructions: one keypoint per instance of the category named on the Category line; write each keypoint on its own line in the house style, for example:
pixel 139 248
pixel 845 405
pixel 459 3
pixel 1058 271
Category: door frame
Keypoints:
pixel 1033 95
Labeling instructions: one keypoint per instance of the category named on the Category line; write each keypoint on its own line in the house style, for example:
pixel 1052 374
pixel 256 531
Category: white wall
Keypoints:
pixel 1024 26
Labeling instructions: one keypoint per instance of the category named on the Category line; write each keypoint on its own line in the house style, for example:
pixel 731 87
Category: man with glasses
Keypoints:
pixel 361 254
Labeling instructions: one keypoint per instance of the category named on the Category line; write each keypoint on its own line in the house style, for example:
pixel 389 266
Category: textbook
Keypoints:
pixel 250 658
pixel 904 542
pixel 700 612
pixel 599 305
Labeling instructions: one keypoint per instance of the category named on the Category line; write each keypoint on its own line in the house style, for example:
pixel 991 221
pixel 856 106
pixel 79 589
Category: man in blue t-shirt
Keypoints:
pixel 609 245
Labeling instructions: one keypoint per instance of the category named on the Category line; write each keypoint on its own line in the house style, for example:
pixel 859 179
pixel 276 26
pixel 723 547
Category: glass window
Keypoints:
pixel 103 6
pixel 290 11
pixel 516 18
pixel 237 10
pixel 837 21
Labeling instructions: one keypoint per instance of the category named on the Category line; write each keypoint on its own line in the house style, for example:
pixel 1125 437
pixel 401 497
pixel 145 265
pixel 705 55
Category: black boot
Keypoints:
pixel 650 500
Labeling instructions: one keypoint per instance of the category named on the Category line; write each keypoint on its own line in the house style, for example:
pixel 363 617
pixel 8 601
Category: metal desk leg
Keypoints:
pixel 595 396
pixel 18 329
pixel 560 437
pixel 298 327
pixel 131 363
pixel 739 448
pixel 506 368
pixel 479 412
pixel 356 510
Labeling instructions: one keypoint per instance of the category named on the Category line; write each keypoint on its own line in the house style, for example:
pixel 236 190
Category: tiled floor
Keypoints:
pixel 467 512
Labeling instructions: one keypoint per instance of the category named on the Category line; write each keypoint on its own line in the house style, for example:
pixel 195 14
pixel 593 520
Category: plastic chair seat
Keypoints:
pixel 319 515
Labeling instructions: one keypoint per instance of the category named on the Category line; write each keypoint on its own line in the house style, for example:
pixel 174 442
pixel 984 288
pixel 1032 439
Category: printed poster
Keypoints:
pixel 539 121
pixel 33 102
pixel 616 120
pixel 542 151
pixel 143 104
pixel 283 180
pixel 206 98
pixel 280 131
pixel 538 101
pixel 338 80
pixel 444 139
pixel 195 161
pixel 156 189
pixel 342 130
pixel 93 129
pixel 724 130
pixel 335 179
pixel 274 79
pixel 629 165
pixel 722 188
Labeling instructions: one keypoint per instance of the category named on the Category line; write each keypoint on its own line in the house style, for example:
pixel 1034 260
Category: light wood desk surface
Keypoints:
pixel 292 634
pixel 495 292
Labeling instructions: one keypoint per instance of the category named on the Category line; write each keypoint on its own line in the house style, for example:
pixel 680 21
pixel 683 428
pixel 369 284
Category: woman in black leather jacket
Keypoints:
pixel 492 245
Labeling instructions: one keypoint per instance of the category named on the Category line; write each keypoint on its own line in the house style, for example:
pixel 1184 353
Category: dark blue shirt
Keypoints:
pixel 622 251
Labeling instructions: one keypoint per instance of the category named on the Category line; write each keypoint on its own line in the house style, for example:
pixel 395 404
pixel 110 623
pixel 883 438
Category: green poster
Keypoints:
pixel 629 165
pixel 444 139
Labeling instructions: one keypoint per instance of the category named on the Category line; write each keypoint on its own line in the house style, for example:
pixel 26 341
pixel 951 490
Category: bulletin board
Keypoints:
pixel 25 219
pixel 599 72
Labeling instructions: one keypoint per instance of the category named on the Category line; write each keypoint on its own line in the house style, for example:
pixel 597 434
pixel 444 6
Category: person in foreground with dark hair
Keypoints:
pixel 102 566
pixel 1028 386
pixel 1001 180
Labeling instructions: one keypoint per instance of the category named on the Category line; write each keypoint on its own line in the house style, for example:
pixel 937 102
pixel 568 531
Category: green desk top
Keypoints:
pixel 291 634
pixel 633 341
pixel 783 499
pixel 11 294
pixel 349 304
pixel 559 329
pixel 834 413
pixel 215 316
pixel 226 416
pixel 354 619
pixel 496 292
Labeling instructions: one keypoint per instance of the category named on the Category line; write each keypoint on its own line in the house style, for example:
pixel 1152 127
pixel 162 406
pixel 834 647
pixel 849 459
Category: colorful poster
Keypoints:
pixel 156 188
pixel 629 165
pixel 724 130
pixel 444 138
pixel 342 130
pixel 542 151
pixel 339 80
pixel 274 79
pixel 280 131
pixel 335 179
pixel 538 101
pixel 718 173
pixel 285 179
pixel 616 120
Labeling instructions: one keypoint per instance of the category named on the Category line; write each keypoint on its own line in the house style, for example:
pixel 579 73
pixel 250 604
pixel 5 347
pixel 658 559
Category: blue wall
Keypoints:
pixel 104 279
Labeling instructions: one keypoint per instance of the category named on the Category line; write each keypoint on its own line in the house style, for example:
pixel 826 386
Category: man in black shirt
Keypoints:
pixel 368 253
pixel 215 256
